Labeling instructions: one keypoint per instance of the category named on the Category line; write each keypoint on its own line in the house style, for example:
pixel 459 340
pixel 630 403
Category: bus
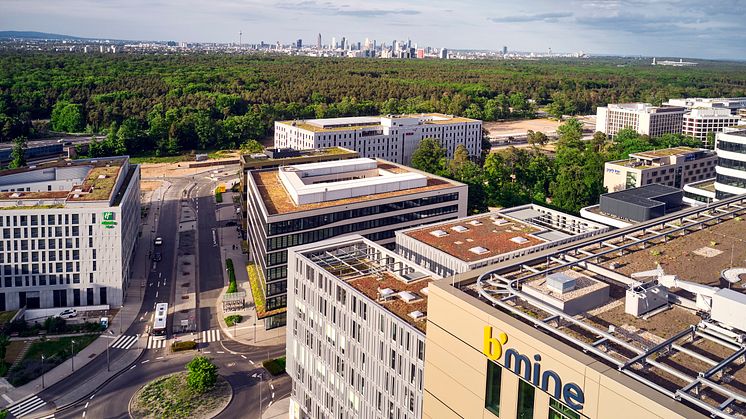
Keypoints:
pixel 159 323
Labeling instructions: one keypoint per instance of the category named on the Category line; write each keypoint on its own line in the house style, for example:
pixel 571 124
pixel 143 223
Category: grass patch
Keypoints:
pixel 218 196
pixel 186 345
pixel 233 319
pixel 5 316
pixel 55 351
pixel 171 397
pixel 275 366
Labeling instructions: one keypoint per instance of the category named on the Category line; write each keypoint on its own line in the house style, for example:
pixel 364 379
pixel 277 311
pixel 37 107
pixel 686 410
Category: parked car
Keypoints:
pixel 158 241
pixel 157 256
pixel 105 322
pixel 69 313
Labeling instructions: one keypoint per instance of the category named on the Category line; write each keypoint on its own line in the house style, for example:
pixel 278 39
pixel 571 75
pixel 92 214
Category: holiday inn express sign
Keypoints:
pixel 108 220
pixel 521 365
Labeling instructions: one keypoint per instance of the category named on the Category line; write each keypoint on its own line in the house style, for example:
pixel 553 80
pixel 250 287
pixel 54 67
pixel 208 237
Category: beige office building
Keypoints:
pixel 594 330
pixel 675 167
pixel 641 117
pixel 700 122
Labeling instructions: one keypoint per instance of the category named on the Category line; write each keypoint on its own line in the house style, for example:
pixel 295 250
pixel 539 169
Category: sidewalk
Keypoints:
pixel 280 409
pixel 121 322
pixel 251 330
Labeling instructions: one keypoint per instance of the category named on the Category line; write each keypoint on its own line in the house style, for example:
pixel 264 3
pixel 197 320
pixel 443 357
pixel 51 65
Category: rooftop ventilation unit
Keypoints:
pixel 459 229
pixel 407 296
pixel 560 283
pixel 479 250
pixel 439 233
pixel 385 293
pixel 417 314
pixel 102 176
pixel 475 223
pixel 519 240
pixel 499 221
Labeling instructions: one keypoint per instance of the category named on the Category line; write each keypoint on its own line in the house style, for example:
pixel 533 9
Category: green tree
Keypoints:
pixel 430 157
pixel 203 374
pixel 251 146
pixel 132 137
pixel 710 141
pixel 67 117
pixel 561 105
pixel 18 153
pixel 537 138
pixel 570 134
pixel 460 157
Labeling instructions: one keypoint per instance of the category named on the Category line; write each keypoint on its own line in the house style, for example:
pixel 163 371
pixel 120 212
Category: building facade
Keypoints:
pixel 68 233
pixel 671 167
pixel 393 137
pixel 356 336
pixel 461 245
pixel 732 104
pixel 698 123
pixel 730 147
pixel 307 203
pixel 642 117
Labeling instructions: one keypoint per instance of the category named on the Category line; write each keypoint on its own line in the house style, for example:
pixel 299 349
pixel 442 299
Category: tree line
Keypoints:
pixel 167 104
pixel 570 180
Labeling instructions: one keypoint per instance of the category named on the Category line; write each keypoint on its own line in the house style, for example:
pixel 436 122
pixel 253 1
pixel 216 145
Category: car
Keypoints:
pixel 68 314
pixel 158 241
pixel 157 256
pixel 104 322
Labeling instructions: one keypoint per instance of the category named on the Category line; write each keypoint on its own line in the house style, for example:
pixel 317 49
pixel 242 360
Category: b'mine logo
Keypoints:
pixel 493 347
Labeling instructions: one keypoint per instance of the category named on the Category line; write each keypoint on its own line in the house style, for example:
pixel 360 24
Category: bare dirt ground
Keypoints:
pixel 149 185
pixel 159 170
pixel 520 127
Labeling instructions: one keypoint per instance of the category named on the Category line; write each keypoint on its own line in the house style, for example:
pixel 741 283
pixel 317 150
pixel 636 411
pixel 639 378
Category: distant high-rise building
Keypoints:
pixel 359 47
pixel 344 42
pixel 444 53
pixel 318 42
pixel 420 53
pixel 505 50
pixel 334 43
pixel 299 43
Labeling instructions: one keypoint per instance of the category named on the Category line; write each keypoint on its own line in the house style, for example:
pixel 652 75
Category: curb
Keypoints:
pixel 230 399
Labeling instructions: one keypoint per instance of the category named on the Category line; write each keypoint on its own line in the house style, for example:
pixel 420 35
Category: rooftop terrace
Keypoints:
pixel 677 329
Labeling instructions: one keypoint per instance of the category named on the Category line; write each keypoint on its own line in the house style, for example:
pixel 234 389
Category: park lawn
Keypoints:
pixel 12 350
pixel 171 397
pixel 59 348
pixel 275 366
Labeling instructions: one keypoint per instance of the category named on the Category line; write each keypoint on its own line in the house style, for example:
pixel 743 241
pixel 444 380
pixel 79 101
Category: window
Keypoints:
pixel 525 400
pixel 492 398
pixel 558 410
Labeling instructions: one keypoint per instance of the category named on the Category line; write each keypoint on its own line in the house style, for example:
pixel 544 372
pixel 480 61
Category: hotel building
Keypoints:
pixel 675 167
pixel 601 328
pixel 69 230
pixel 356 331
pixel 306 203
pixel 461 245
pixel 700 122
pixel 392 137
pixel 642 117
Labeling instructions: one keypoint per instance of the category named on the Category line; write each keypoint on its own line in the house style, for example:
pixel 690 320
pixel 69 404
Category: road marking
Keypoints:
pixel 84 413
pixel 242 356
pixel 210 335
pixel 252 362
pixel 26 406
pixel 86 405
pixel 273 394
pixel 156 294
pixel 160 357
pixel 48 416
pixel 206 352
pixel 270 404
pixel 156 343
pixel 91 398
pixel 125 342
pixel 133 367
pixel 272 386
pixel 8 399
pixel 220 352
pixel 145 362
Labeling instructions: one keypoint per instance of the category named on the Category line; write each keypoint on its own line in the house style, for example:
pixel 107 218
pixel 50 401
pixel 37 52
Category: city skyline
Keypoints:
pixel 617 27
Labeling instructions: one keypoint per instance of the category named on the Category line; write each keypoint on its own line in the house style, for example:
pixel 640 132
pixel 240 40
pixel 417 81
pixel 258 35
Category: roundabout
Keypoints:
pixel 171 396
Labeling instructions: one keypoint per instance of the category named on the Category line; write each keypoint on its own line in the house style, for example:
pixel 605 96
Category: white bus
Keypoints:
pixel 159 322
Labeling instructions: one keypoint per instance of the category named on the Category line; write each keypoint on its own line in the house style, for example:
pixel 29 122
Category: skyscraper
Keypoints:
pixel 318 42
pixel 444 53
pixel 343 45
pixel 334 43
pixel 299 44
pixel 505 50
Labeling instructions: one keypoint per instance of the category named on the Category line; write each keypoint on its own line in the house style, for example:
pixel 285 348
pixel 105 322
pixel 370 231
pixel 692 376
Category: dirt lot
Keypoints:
pixel 505 128
pixel 149 185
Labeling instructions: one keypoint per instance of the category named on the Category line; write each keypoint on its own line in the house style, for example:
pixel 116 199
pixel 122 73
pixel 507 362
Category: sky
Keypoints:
pixel 672 28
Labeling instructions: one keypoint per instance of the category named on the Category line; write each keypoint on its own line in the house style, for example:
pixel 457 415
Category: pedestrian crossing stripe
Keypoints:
pixel 26 406
pixel 210 335
pixel 125 342
pixel 156 343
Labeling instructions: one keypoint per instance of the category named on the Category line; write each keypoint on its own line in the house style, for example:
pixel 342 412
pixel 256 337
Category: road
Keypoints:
pixel 239 363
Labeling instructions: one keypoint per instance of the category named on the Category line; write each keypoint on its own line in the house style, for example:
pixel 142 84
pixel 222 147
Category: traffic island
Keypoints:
pixel 170 396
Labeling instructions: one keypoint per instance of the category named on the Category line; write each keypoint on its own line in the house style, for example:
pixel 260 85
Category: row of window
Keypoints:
pixel 44 220
pixel 732 147
pixel 731 181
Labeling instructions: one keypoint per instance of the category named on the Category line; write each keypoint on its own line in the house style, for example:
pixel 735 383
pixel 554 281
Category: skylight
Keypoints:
pixel 459 229
pixel 479 250
pixel 439 233
pixel 519 240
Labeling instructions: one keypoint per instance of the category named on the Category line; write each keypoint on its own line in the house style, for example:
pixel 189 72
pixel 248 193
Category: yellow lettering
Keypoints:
pixel 493 347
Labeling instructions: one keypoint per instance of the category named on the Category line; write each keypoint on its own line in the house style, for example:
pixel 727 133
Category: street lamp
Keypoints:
pixel 42 371
pixel 108 361
pixel 72 353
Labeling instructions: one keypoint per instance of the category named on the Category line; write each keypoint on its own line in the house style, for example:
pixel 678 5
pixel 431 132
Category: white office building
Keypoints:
pixel 642 117
pixel 392 137
pixel 733 104
pixel 68 233
pixel 699 122
pixel 730 147
pixel 356 331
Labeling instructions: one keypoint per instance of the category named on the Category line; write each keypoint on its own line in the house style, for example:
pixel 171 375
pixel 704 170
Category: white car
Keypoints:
pixel 69 313
pixel 158 241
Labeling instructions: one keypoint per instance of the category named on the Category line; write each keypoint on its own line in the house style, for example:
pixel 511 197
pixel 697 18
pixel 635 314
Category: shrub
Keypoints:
pixel 202 374
pixel 232 319
pixel 218 196
pixel 275 366
pixel 55 325
pixel 186 345
pixel 232 285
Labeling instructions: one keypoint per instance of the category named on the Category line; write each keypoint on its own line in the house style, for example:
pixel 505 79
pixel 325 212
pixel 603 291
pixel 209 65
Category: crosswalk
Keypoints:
pixel 154 343
pixel 26 406
pixel 210 335
pixel 125 342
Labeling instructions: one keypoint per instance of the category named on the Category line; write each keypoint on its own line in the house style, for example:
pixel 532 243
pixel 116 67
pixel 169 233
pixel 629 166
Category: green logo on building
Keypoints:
pixel 108 219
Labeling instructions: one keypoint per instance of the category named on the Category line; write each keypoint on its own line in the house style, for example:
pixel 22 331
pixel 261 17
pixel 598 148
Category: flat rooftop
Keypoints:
pixel 688 346
pixel 644 195
pixel 366 122
pixel 385 278
pixel 55 183
pixel 277 198
pixel 667 152
pixel 251 159
pixel 707 185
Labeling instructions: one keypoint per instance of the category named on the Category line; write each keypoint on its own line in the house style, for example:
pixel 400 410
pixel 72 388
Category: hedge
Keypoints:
pixel 232 319
pixel 186 345
pixel 232 285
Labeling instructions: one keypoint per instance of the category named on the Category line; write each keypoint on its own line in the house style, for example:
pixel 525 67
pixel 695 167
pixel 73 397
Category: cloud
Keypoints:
pixel 343 10
pixel 543 17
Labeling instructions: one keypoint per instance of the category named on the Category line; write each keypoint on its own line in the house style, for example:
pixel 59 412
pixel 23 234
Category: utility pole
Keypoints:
pixel 72 353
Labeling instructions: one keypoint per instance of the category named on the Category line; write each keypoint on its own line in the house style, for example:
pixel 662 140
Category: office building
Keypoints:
pixel 307 203
pixel 642 117
pixel 356 347
pixel 392 137
pixel 275 157
pixel 634 323
pixel 698 123
pixel 461 245
pixel 68 233
pixel 318 42
pixel 733 104
pixel 730 146
pixel 623 208
pixel 444 53
pixel 675 167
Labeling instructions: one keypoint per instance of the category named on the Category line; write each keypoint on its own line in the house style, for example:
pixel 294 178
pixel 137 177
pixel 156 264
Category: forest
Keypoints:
pixel 168 104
